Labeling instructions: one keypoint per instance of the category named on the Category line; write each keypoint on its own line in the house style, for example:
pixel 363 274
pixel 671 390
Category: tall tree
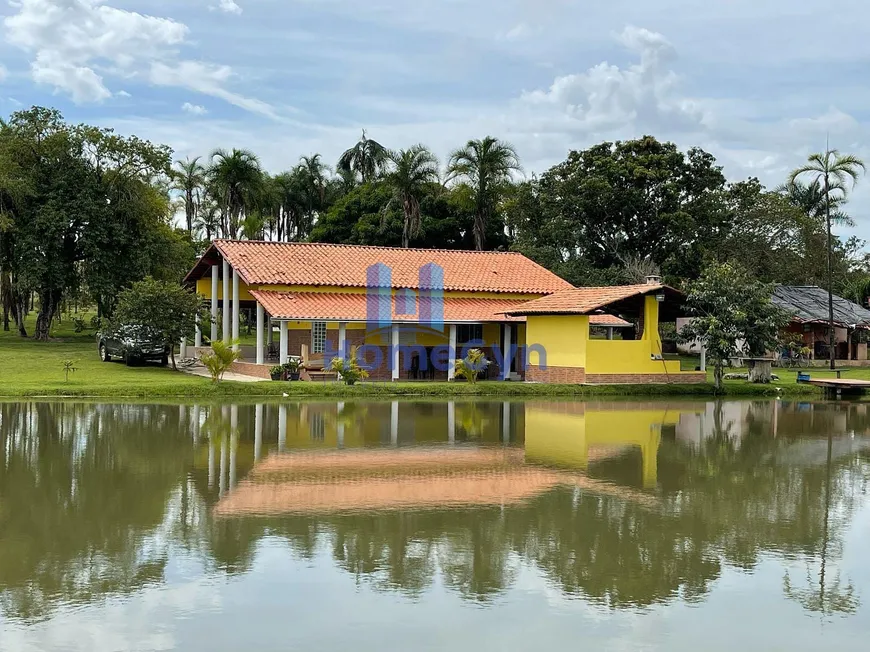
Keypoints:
pixel 414 169
pixel 730 310
pixel 832 171
pixel 810 198
pixel 188 178
pixel 236 180
pixel 487 166
pixel 367 158
pixel 316 173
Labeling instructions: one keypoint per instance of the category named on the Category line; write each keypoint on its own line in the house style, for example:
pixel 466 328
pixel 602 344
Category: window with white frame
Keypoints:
pixel 318 337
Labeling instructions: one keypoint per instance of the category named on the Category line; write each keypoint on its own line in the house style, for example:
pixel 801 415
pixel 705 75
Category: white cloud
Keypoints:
pixel 207 79
pixel 74 42
pixel 230 7
pixel 193 109
pixel 607 97
pixel 77 44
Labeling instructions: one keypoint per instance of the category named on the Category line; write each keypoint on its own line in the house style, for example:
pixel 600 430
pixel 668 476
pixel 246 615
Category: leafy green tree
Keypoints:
pixel 487 166
pixel 631 200
pixel 414 169
pixel 728 306
pixel 188 178
pixel 367 158
pixel 772 238
pixel 167 308
pixel 235 180
pixel 832 172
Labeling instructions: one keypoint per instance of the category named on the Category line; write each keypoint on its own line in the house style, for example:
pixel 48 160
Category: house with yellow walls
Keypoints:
pixel 409 314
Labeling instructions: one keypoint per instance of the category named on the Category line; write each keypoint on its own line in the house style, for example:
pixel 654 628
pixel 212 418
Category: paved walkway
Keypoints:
pixel 199 370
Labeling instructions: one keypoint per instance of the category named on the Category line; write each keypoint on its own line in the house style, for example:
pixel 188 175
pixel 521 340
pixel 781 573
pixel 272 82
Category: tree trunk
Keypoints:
pixel 718 373
pixel 172 357
pixel 832 334
pixel 48 303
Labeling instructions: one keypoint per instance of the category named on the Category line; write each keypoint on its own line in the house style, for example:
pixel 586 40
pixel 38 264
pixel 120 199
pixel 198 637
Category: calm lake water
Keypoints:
pixel 434 525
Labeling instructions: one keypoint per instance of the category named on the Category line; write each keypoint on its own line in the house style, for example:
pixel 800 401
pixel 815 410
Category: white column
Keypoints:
pixel 284 355
pixel 236 315
pixel 261 314
pixel 394 423
pixel 394 351
pixel 225 299
pixel 197 336
pixel 506 353
pixel 610 332
pixel 196 423
pixel 222 480
pixel 282 427
pixel 215 284
pixel 211 463
pixel 183 348
pixel 234 442
pixel 270 332
pixel 342 339
pixel 506 422
pixel 451 362
pixel 258 431
pixel 703 358
pixel 451 422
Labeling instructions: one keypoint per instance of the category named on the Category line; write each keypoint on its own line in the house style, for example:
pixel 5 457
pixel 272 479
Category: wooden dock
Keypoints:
pixel 836 387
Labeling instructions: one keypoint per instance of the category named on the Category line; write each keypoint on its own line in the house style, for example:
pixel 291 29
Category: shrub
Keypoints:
pixel 471 367
pixel 219 360
pixel 349 370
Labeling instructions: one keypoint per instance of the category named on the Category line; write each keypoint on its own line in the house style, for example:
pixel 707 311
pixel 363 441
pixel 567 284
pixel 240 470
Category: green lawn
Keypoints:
pixel 29 368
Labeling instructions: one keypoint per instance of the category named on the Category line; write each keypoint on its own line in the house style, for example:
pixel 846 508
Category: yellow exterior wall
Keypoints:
pixel 564 338
pixel 633 356
pixel 560 438
pixel 567 343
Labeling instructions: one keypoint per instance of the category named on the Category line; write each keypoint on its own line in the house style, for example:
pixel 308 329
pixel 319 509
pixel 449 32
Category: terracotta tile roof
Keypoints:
pixel 609 320
pixel 302 263
pixel 353 307
pixel 582 301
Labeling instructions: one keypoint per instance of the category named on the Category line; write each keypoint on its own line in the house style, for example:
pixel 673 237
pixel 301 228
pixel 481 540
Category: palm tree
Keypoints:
pixel 367 158
pixel 810 198
pixel 294 196
pixel 188 177
pixel 317 173
pixel 208 218
pixel 831 171
pixel 414 169
pixel 487 166
pixel 236 179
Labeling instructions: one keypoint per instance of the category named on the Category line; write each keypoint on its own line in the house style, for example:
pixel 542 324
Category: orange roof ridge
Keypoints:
pixel 364 246
pixel 339 265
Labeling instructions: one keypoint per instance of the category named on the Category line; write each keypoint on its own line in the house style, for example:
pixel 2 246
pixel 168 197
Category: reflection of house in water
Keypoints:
pixel 573 434
pixel 338 457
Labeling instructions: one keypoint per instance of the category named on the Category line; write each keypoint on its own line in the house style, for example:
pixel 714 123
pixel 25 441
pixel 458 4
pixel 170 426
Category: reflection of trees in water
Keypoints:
pixel 92 498
pixel 80 489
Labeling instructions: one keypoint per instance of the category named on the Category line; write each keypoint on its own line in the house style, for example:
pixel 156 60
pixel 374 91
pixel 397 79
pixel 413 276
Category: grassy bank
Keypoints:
pixel 29 369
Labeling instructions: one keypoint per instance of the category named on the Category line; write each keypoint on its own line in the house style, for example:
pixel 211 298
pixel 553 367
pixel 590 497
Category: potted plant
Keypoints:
pixel 293 367
pixel 277 372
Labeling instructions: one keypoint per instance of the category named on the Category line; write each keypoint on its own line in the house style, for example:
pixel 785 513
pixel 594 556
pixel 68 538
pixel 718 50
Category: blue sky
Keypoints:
pixel 757 83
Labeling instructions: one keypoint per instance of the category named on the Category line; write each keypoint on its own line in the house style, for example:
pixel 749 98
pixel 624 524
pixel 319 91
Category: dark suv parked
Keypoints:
pixel 132 344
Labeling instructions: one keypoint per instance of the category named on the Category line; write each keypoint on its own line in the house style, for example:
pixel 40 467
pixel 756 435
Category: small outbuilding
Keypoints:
pixel 808 306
